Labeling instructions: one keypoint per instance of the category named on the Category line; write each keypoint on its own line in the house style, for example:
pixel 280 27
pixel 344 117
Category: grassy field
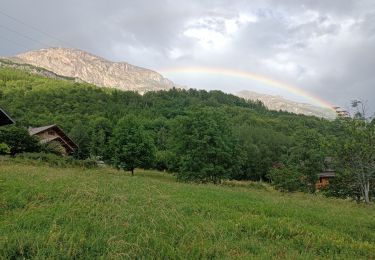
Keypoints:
pixel 75 213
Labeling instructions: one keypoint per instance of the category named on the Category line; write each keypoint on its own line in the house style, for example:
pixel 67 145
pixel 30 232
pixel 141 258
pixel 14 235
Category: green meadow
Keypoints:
pixel 66 213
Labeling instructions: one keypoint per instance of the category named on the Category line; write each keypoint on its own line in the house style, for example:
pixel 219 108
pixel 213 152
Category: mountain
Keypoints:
pixel 280 103
pixel 77 65
pixel 8 63
pixel 89 68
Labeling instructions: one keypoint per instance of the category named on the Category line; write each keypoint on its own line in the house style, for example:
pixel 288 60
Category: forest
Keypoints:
pixel 198 135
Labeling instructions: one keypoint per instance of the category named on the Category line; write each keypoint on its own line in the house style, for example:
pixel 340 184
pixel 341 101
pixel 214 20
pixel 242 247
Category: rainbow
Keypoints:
pixel 249 76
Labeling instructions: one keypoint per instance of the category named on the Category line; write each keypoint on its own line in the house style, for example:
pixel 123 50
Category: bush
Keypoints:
pixel 88 163
pixel 245 184
pixel 4 149
pixel 18 139
pixel 54 160
pixel 163 160
pixel 53 147
pixel 286 179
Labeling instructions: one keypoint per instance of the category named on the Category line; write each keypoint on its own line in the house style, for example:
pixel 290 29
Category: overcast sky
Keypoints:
pixel 324 47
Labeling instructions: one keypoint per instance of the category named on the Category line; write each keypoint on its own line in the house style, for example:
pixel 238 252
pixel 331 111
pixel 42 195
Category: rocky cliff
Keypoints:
pixel 89 68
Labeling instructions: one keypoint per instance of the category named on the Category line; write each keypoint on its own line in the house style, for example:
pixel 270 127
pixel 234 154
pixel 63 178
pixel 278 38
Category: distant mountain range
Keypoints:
pixel 280 103
pixel 73 64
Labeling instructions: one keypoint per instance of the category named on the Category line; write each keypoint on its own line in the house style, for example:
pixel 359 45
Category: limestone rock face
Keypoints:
pixel 279 103
pixel 93 69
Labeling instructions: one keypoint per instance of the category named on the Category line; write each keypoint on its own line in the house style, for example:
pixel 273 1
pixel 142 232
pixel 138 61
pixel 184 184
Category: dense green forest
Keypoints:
pixel 199 135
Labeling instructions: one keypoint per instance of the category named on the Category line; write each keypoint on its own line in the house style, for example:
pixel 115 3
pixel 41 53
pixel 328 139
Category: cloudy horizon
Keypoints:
pixel 324 48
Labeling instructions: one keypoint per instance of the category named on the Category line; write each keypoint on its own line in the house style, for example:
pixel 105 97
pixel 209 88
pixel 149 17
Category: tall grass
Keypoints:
pixel 102 213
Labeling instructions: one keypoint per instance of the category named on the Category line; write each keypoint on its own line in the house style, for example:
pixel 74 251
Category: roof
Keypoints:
pixel 37 130
pixel 61 141
pixel 327 174
pixel 5 119
pixel 63 136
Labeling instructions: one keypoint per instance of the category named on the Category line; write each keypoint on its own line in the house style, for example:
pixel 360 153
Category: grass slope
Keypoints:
pixel 74 213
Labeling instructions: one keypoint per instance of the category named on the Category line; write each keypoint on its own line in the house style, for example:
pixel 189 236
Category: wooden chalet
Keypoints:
pixel 5 119
pixel 326 175
pixel 324 178
pixel 53 133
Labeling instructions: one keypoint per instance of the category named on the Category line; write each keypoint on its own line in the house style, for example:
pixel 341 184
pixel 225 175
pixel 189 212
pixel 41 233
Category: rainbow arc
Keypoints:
pixel 249 76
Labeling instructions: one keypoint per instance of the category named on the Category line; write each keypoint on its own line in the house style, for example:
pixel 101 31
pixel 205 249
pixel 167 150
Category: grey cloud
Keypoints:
pixel 325 47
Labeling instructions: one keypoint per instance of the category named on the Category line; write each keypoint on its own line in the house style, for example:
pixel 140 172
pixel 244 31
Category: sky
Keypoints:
pixel 325 48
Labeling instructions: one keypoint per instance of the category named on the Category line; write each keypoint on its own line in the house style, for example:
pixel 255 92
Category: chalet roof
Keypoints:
pixel 63 137
pixel 63 142
pixel 37 130
pixel 327 174
pixel 5 119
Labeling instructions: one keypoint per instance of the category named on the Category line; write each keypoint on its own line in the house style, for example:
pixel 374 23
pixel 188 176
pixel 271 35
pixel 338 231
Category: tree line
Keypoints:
pixel 198 135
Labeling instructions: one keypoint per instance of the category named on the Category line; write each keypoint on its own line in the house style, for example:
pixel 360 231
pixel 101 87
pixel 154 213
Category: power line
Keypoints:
pixel 14 42
pixel 35 28
pixel 23 35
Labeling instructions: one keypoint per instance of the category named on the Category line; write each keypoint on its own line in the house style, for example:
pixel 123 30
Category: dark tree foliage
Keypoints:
pixel 344 185
pixel 18 140
pixel 355 160
pixel 80 135
pixel 101 130
pixel 304 160
pixel 206 147
pixel 262 149
pixel 131 146
pixel 287 178
pixel 89 114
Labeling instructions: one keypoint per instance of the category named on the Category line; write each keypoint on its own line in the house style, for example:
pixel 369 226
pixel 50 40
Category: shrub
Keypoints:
pixel 18 139
pixel 286 179
pixel 4 149
pixel 54 160
pixel 53 147
pixel 163 160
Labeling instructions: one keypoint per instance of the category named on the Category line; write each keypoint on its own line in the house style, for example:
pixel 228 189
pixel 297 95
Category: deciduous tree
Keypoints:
pixel 356 156
pixel 18 140
pixel 131 146
pixel 206 147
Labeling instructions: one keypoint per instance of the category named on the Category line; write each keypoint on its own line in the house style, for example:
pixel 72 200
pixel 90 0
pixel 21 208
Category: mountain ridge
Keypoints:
pixel 75 63
pixel 274 102
pixel 81 66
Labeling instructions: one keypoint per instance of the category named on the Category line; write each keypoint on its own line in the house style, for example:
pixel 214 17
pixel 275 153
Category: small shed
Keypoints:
pixel 51 133
pixel 324 178
pixel 5 119
pixel 327 174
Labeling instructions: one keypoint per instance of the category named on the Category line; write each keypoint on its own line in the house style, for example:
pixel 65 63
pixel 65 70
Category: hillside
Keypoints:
pixel 96 70
pixel 82 66
pixel 74 213
pixel 279 103
pixel 10 63
pixel 83 110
